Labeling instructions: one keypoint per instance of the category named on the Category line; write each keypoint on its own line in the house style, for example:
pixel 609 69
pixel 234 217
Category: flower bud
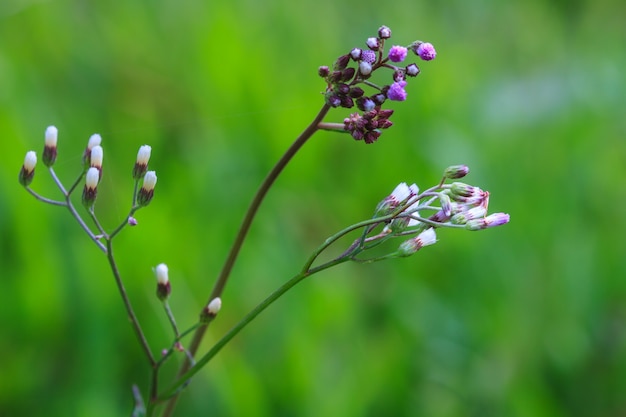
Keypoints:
pixel 493 220
pixel 454 172
pixel 384 32
pixel 95 159
pixel 147 189
pixel 409 247
pixel 164 287
pixel 210 311
pixel 94 140
pixel 91 187
pixel 412 70
pixel 141 164
pixel 323 71
pixel 365 68
pixel 27 173
pixel 50 147
pixel 373 44
pixel 426 51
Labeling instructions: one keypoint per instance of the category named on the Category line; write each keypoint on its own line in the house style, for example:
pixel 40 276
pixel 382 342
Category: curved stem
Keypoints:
pixel 129 309
pixel 218 288
pixel 174 388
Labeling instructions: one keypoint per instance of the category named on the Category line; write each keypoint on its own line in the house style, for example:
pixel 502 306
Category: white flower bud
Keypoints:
pixel 97 155
pixel 51 136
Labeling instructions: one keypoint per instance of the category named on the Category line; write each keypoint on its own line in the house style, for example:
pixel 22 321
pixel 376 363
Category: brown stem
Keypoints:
pixel 241 235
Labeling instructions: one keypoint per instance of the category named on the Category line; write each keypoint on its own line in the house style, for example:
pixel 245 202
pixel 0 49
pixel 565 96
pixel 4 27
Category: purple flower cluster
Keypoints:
pixel 343 78
pixel 367 127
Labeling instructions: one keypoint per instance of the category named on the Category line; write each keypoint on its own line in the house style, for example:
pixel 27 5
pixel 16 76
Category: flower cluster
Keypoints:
pixel 92 168
pixel 342 82
pixel 455 205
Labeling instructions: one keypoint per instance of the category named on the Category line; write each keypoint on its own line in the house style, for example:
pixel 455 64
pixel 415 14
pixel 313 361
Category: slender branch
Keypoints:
pixel 44 199
pixel 129 309
pixel 243 231
pixel 174 388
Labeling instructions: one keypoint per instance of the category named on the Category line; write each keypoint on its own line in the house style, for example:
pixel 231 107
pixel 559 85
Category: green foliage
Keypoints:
pixel 523 320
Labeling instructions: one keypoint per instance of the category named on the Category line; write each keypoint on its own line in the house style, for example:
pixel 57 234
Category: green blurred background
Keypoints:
pixel 524 320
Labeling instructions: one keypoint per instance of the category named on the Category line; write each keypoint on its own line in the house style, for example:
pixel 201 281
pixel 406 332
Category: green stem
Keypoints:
pixel 174 388
pixel 129 309
pixel 243 231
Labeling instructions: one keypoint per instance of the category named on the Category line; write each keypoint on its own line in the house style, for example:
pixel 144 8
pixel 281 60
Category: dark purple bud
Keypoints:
pixel 379 98
pixel 323 71
pixel 347 102
pixel 333 100
pixel 343 89
pixel 384 124
pixel 335 77
pixel 372 136
pixel 342 62
pixel 385 113
pixel 356 92
pixel 398 75
pixel 365 104
pixel 347 74
pixel 358 135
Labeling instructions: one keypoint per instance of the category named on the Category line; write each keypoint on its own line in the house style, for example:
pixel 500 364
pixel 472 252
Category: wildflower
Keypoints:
pixel 396 91
pixel 493 220
pixel 373 44
pixel 147 189
pixel 365 68
pixel 94 140
pixel 426 51
pixel 456 171
pixel 397 53
pixel 384 32
pixel 91 187
pixel 27 173
pixel 426 238
pixel 401 194
pixel 141 164
pixel 50 148
pixel 412 70
pixel 95 159
pixel 210 311
pixel 368 56
pixel 164 287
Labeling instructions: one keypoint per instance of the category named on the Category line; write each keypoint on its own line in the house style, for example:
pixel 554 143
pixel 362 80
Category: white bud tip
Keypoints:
pixel 97 154
pixel 149 181
pixel 162 274
pixel 92 178
pixel 427 237
pixel 143 156
pixel 51 136
pixel 30 160
pixel 94 140
pixel 214 306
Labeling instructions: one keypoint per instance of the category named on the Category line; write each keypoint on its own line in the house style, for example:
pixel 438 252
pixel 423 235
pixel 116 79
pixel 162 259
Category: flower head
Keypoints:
pixel 426 51
pixel 397 53
pixel 396 91
pixel 164 287
pixel 50 148
pixel 94 140
pixel 141 164
pixel 147 189
pixel 27 173
pixel 210 311
pixel 426 238
pixel 91 187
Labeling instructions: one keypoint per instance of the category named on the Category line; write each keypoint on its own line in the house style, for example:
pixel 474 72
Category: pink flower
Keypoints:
pixel 396 91
pixel 426 51
pixel 397 53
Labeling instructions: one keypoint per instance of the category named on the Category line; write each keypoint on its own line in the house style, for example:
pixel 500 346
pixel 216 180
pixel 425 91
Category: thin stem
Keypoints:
pixel 129 309
pixel 174 388
pixel 218 288
pixel 44 199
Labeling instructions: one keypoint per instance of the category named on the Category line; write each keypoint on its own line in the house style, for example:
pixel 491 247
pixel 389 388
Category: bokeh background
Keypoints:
pixel 524 320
